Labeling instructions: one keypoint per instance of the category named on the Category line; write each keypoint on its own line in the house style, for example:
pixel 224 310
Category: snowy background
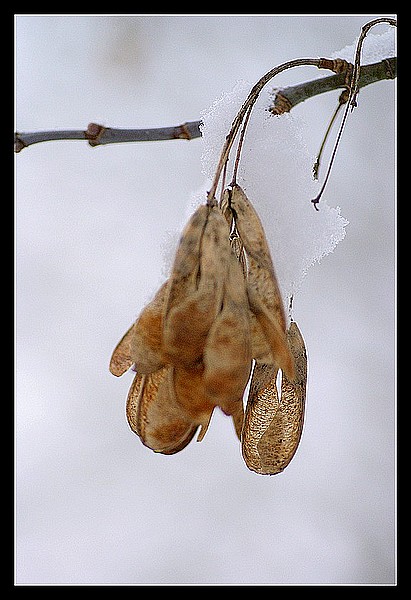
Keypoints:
pixel 95 506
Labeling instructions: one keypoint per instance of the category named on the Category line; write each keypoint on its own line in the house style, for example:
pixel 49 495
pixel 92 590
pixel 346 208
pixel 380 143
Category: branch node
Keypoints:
pixel 182 132
pixel 93 133
pixel 338 65
pixel 390 71
pixel 18 143
pixel 281 104
pixel 343 97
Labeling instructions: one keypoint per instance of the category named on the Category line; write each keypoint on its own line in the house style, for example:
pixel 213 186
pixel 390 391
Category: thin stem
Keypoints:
pixel 248 104
pixel 316 165
pixel 357 66
pixel 353 92
pixel 240 145
pixel 98 135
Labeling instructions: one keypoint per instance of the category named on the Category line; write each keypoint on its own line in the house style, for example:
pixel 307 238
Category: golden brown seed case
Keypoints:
pixel 194 344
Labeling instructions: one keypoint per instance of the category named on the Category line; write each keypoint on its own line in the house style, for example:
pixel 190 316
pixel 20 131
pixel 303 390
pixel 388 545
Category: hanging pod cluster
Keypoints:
pixel 218 325
pixel 217 321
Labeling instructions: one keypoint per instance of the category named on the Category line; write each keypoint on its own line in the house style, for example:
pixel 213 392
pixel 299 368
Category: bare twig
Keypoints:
pixel 98 135
pixel 351 101
pixel 285 100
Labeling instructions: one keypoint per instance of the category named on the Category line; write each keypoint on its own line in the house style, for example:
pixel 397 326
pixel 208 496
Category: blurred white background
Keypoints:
pixel 95 506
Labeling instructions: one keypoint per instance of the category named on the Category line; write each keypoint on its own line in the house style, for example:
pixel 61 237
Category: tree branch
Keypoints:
pixel 285 99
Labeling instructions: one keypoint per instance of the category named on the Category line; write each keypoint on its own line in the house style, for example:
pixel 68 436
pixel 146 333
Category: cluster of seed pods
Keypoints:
pixel 216 322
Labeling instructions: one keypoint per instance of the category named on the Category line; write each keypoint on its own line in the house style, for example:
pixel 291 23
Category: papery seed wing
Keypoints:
pixel 154 415
pixel 187 328
pixel 276 339
pixel 262 405
pixel 121 360
pixel 133 401
pixel 238 419
pixel 183 285
pixel 190 317
pixel 226 206
pixel 279 443
pixel 273 448
pixel 191 395
pixel 260 349
pixel 238 249
pixel 183 278
pixel 146 338
pixel 227 354
pixel 266 304
pixel 263 291
pixel 215 253
pixel 250 228
pixel 261 270
pixel 262 283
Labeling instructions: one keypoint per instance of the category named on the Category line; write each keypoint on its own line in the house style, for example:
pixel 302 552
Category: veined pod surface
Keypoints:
pixel 272 426
pixel 262 404
pixel 154 415
pixel 215 251
pixel 238 249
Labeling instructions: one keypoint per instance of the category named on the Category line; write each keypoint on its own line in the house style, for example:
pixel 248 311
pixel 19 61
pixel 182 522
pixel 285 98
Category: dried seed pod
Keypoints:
pixel 238 419
pixel 215 252
pixel 272 427
pixel 262 287
pixel 266 304
pixel 146 339
pixel 238 249
pixel 188 318
pixel 186 265
pixel 121 360
pixel 249 227
pixel 187 328
pixel 260 349
pixel 226 206
pixel 154 415
pixel 190 393
pixel 141 344
pixel 262 404
pixel 227 354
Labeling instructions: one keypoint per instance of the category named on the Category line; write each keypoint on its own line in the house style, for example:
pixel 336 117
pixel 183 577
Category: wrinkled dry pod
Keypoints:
pixel 216 321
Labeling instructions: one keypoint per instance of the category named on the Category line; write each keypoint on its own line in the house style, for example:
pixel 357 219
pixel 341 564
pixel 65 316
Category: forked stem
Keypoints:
pixel 244 111
pixel 243 115
pixel 353 92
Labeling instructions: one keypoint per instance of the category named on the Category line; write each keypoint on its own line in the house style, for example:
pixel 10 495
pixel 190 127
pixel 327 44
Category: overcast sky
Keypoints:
pixel 95 506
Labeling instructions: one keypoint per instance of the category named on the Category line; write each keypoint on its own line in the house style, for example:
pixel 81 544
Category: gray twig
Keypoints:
pixel 285 99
